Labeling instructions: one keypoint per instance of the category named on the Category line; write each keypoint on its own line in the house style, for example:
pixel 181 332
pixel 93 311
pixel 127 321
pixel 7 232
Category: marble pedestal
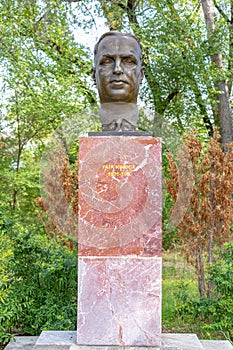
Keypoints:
pixel 119 285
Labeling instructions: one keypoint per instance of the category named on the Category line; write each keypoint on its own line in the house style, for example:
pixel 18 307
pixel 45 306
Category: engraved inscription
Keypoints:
pixel 119 170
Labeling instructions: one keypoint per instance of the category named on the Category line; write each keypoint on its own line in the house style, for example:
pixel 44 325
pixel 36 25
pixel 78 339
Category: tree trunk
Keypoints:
pixel 224 112
pixel 223 99
pixel 230 63
pixel 201 274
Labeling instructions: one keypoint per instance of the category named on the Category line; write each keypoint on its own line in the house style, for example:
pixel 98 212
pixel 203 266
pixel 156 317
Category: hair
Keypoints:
pixel 116 33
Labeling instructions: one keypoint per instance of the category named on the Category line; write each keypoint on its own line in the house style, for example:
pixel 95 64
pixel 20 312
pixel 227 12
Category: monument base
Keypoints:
pixel 120 303
pixel 65 340
pixel 120 241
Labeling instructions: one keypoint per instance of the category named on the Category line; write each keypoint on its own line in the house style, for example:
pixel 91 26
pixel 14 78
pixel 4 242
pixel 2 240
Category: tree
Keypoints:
pixel 222 112
pixel 45 77
pixel 207 222
pixel 45 80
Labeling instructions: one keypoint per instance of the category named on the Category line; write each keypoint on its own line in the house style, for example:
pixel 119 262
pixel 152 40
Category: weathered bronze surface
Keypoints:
pixel 118 74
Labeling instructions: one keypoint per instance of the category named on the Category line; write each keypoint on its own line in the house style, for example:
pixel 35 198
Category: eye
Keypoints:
pixel 130 60
pixel 106 61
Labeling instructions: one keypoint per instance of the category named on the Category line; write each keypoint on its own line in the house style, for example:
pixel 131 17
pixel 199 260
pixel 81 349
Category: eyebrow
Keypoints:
pixel 122 56
pixel 107 55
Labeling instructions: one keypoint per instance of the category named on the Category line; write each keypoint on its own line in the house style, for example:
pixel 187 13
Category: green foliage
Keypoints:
pixel 46 79
pixel 38 281
pixel 5 256
pixel 45 71
pixel 176 273
pixel 217 312
pixel 221 272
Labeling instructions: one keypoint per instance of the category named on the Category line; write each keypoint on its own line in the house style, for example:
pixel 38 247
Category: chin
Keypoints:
pixel 119 96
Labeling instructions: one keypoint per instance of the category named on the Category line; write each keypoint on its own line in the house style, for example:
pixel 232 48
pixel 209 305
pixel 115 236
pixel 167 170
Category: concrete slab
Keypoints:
pixel 216 345
pixel 65 340
pixel 96 347
pixel 55 340
pixel 181 341
pixel 22 343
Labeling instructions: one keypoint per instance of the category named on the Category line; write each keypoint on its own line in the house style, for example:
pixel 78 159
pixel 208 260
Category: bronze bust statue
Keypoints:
pixel 118 74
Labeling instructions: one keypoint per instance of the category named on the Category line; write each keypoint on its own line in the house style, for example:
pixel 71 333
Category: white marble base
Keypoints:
pixel 65 340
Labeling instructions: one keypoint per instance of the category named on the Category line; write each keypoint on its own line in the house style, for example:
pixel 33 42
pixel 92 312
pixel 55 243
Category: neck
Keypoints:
pixel 118 116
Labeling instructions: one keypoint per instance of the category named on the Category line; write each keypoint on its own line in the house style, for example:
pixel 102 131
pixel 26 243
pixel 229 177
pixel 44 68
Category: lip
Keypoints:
pixel 118 82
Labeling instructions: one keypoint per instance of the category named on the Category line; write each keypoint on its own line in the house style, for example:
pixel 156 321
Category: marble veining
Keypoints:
pixel 119 277
pixel 121 301
pixel 119 191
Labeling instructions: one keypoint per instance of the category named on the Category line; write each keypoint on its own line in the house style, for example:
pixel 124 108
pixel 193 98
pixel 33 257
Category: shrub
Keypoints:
pixel 38 284
pixel 217 311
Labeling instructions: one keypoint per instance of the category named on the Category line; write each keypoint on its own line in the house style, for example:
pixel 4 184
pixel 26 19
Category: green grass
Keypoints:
pixel 176 272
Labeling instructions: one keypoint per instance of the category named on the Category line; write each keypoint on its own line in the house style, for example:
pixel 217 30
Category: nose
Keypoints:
pixel 117 66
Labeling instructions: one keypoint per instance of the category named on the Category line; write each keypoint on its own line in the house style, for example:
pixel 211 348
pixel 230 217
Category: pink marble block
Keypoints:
pixel 120 205
pixel 119 301
pixel 120 196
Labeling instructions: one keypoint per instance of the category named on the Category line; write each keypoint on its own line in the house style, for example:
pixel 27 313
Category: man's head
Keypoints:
pixel 118 68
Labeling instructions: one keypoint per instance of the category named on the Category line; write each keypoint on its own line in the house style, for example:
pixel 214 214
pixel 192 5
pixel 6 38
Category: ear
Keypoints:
pixel 142 75
pixel 93 74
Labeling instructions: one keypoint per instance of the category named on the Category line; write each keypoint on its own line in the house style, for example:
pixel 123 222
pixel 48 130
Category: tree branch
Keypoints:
pixel 196 8
pixel 170 98
pixel 222 13
pixel 121 6
pixel 130 8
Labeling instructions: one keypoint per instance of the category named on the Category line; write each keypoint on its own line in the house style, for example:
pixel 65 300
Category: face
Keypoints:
pixel 118 72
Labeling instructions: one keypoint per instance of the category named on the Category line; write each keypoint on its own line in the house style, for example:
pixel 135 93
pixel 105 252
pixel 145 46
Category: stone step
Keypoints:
pixel 181 341
pixel 216 345
pixel 22 343
pixel 56 340
pixel 64 340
